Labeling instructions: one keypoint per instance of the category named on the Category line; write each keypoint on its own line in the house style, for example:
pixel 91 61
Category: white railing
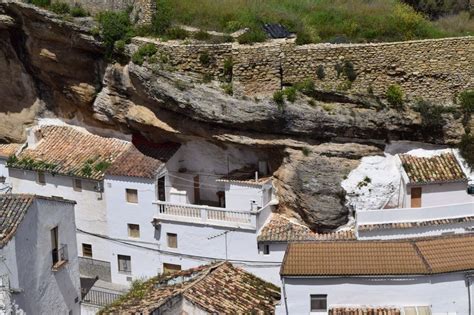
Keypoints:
pixel 401 215
pixel 206 215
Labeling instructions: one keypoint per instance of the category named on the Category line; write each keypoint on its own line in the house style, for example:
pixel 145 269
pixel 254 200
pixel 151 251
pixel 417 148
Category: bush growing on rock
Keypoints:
pixel 278 98
pixel 40 3
pixel 306 87
pixel 290 93
pixel 466 100
pixel 78 11
pixel 254 35
pixel 59 7
pixel 205 58
pixel 395 96
pixel 177 33
pixel 202 35
pixel 320 73
pixel 143 52
pixel 114 26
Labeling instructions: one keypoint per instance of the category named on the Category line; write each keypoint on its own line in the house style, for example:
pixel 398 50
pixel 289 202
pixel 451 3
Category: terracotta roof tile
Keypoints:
pixel 218 288
pixel 436 169
pixel 12 211
pixel 400 257
pixel 6 150
pixel 408 225
pixel 283 229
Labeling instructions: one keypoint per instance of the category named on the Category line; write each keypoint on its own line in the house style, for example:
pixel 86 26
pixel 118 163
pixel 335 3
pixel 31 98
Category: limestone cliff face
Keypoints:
pixel 51 67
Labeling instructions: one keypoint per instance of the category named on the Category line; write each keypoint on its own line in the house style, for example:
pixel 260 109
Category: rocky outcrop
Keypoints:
pixel 53 67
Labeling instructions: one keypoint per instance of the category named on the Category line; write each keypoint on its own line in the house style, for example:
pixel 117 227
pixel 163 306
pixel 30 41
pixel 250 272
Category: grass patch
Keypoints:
pixel 312 20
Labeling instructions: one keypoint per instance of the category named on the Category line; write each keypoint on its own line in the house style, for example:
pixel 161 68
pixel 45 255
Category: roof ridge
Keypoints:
pixel 422 257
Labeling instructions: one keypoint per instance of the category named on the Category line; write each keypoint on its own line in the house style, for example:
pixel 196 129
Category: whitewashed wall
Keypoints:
pixel 439 194
pixel 446 294
pixel 29 260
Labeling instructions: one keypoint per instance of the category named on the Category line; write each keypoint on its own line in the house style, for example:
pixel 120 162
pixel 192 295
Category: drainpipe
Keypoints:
pixel 469 298
pixel 284 294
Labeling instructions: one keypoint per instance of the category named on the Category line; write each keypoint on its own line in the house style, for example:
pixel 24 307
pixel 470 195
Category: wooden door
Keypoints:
pixel 416 197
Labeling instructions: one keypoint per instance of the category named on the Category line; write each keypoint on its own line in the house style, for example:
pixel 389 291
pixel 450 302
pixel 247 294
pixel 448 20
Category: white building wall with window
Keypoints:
pixel 445 293
pixel 438 194
pixel 90 210
pixel 28 261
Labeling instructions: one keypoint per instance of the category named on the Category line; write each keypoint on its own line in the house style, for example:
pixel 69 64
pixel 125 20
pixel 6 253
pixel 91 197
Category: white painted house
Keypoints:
pixel 432 200
pixel 423 276
pixel 144 208
pixel 38 256
pixel 6 150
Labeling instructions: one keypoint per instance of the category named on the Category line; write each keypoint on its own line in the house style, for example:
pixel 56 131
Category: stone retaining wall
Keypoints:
pixel 431 69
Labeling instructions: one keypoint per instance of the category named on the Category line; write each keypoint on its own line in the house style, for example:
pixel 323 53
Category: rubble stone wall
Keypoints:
pixel 431 69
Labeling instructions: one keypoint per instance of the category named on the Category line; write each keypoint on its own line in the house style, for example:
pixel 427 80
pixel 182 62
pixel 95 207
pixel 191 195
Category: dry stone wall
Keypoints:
pixel 431 69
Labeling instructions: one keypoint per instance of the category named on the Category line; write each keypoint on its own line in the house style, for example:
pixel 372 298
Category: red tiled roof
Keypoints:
pixel 12 211
pixel 6 150
pixel 282 229
pixel 399 257
pixel 364 311
pixel 218 288
pixel 436 169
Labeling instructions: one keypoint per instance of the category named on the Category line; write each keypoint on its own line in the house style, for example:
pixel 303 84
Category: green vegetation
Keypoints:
pixel 436 8
pixel 306 151
pixel 59 7
pixel 205 58
pixel 114 26
pixel 365 182
pixel 176 33
pixel 143 52
pixel 290 93
pixel 78 11
pixel 202 35
pixel 40 3
pixel 395 96
pixel 466 148
pixel 94 165
pixel 228 89
pixel 320 73
pixel 228 66
pixel 254 35
pixel 30 164
pixel 279 99
pixel 312 20
pixel 466 99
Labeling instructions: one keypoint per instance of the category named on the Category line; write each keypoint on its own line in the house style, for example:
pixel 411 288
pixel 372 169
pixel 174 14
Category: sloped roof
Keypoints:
pixel 409 225
pixel 436 169
pixel 6 150
pixel 219 288
pixel 283 229
pixel 12 211
pixel 380 258
pixel 74 152
pixel 351 310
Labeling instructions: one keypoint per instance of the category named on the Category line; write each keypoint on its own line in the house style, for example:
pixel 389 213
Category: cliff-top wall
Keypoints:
pixel 435 69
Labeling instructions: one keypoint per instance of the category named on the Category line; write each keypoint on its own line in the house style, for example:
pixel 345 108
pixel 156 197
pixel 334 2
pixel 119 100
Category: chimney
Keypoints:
pixel 33 136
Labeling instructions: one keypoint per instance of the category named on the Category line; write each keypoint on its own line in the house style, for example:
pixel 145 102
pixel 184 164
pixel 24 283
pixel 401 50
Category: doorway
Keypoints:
pixel 416 197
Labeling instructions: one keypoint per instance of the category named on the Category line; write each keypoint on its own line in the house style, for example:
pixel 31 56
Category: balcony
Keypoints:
pixel 60 257
pixel 206 215
pixel 406 218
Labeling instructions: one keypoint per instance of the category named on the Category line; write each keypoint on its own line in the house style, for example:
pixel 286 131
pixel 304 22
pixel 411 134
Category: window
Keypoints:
pixel 132 195
pixel 170 268
pixel 172 240
pixel 124 263
pixel 87 250
pixel 134 230
pixel 55 245
pixel 40 178
pixel 161 189
pixel 266 249
pixel 319 302
pixel 77 184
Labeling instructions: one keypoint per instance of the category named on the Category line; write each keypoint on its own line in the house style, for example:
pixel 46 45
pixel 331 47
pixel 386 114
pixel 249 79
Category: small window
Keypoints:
pixel 266 249
pixel 132 195
pixel 40 178
pixel 170 268
pixel 172 240
pixel 86 250
pixel 134 230
pixel 124 263
pixel 319 303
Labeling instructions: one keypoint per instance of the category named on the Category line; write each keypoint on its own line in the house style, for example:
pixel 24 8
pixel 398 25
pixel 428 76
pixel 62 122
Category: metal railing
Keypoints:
pixel 100 298
pixel 206 214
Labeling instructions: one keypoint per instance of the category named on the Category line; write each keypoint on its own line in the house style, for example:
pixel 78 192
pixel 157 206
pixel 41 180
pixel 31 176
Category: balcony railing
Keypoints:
pixel 100 298
pixel 407 215
pixel 60 256
pixel 206 215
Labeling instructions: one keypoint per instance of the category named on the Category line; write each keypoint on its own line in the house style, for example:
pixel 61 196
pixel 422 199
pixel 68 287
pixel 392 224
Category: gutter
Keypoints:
pixel 469 292
pixel 284 294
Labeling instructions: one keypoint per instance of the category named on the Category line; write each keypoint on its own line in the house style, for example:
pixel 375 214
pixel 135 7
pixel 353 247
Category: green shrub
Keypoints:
pixel 466 148
pixel 466 99
pixel 320 73
pixel 78 11
pixel 114 26
pixel 290 93
pixel 206 78
pixel 279 99
pixel 349 71
pixel 228 89
pixel 120 46
pixel 40 3
pixel 306 151
pixel 59 7
pixel 306 87
pixel 303 38
pixel 177 33
pixel 162 19
pixel 228 66
pixel 205 58
pixel 254 35
pixel 431 115
pixel 202 35
pixel 395 96
pixel 143 52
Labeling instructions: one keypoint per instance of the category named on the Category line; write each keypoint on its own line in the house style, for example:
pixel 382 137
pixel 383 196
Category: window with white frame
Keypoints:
pixel 172 240
pixel 124 264
pixel 318 303
pixel 86 250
